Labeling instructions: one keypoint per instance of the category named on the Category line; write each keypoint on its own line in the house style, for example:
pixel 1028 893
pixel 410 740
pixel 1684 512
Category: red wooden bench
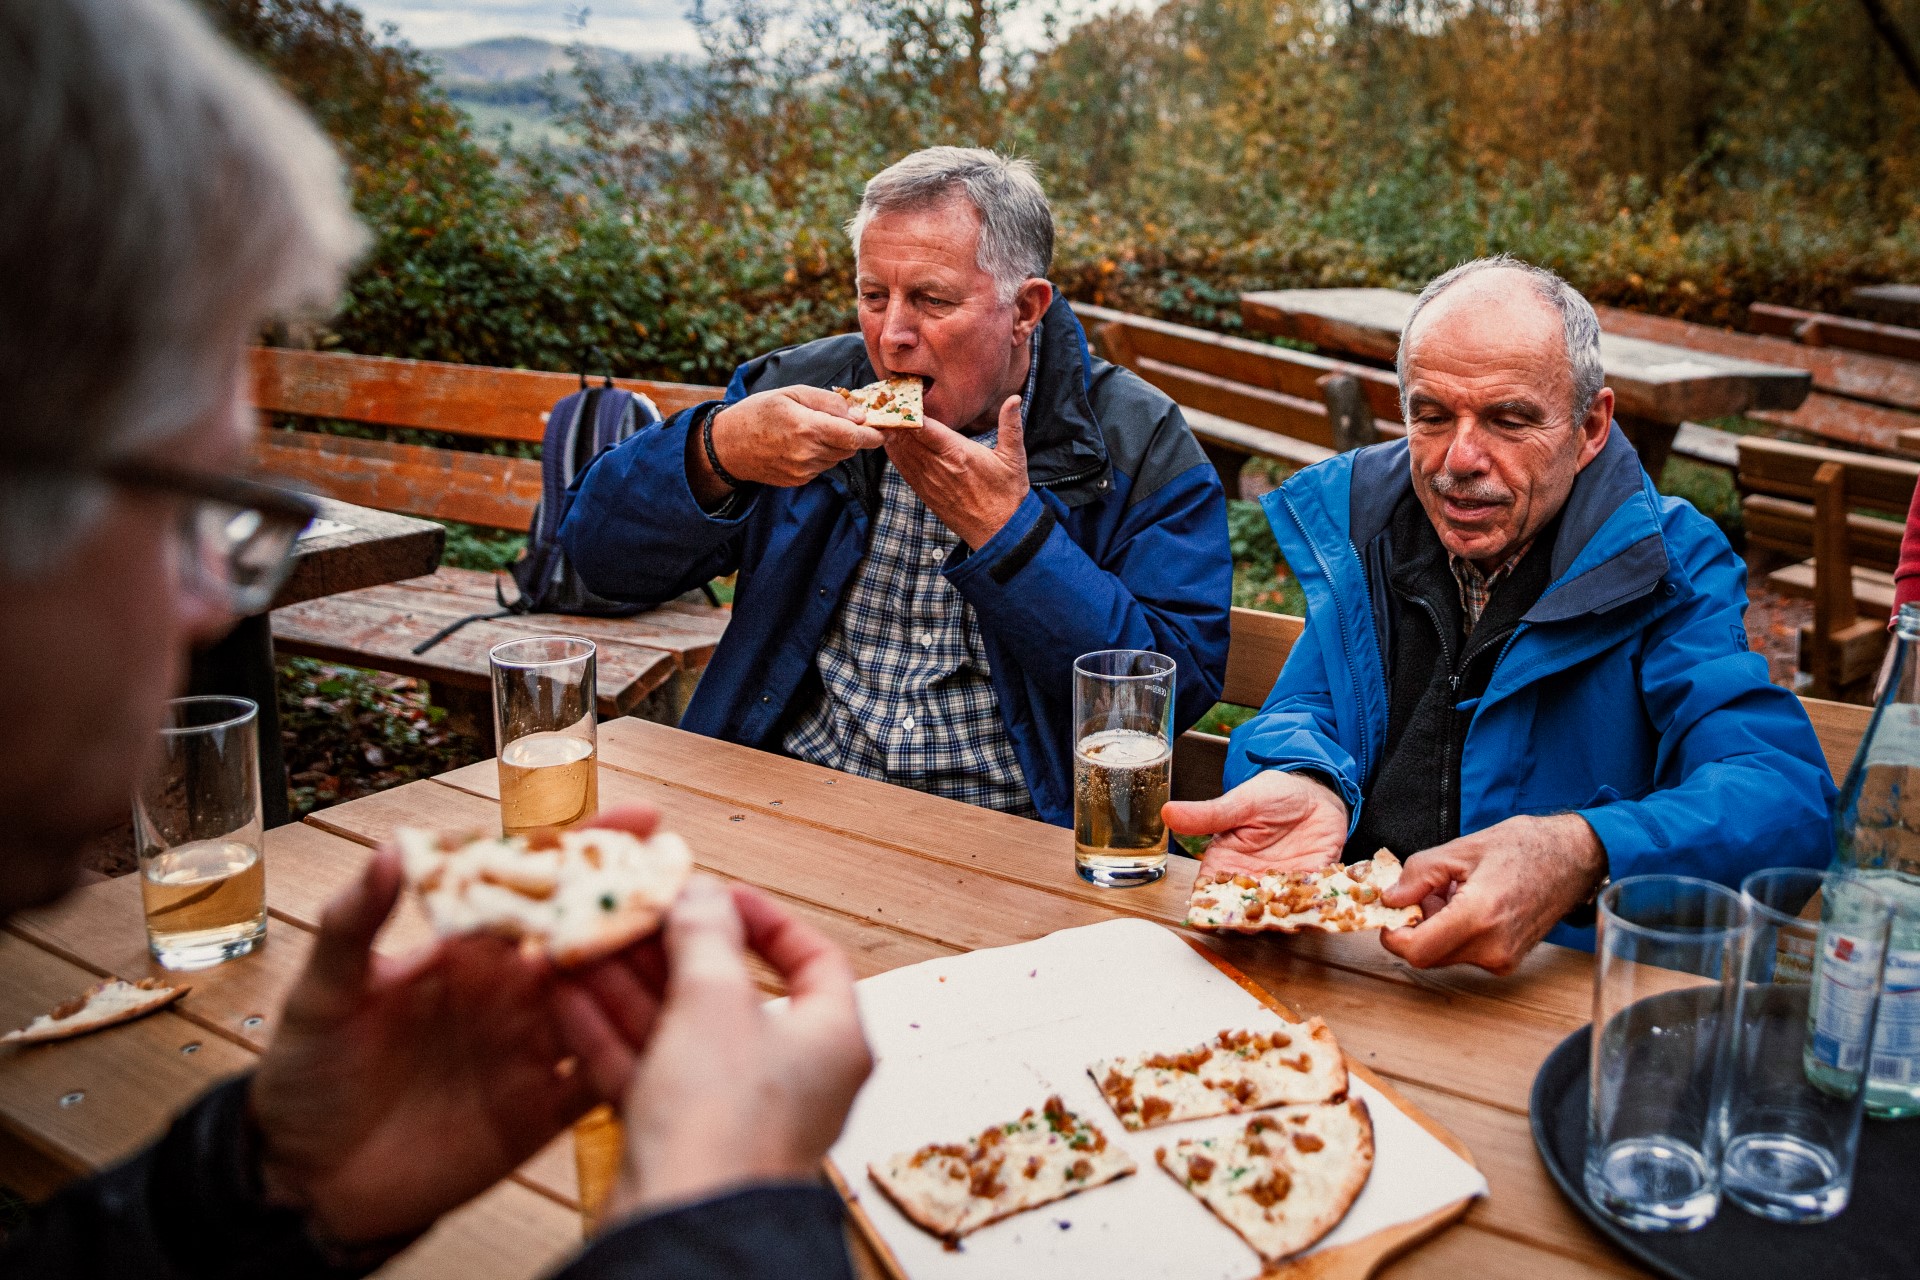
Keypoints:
pixel 647 663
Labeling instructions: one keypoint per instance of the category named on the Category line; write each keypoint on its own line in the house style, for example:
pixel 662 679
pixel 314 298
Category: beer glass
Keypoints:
pixel 196 823
pixel 543 721
pixel 1665 987
pixel 1122 765
pixel 1810 985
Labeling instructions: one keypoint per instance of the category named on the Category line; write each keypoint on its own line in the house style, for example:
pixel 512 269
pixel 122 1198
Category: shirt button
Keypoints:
pixel 907 723
pixel 926 641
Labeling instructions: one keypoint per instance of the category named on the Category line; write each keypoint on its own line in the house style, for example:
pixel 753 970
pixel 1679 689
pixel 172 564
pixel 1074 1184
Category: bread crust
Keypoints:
pixel 163 996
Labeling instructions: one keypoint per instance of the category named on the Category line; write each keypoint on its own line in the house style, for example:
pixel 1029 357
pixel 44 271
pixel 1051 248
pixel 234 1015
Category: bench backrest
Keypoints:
pixel 1274 388
pixel 471 401
pixel 1259 647
pixel 1778 481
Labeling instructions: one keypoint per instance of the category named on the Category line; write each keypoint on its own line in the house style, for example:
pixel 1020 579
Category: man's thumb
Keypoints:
pixel 1011 443
pixel 1423 874
pixel 1201 817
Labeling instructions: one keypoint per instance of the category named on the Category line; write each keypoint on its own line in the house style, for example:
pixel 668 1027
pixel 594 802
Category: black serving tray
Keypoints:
pixel 1877 1237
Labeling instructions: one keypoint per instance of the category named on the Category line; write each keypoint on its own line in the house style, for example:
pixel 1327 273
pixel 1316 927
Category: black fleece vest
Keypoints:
pixel 1414 800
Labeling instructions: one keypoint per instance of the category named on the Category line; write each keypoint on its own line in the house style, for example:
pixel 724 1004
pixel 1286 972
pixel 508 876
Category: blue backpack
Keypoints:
pixel 579 428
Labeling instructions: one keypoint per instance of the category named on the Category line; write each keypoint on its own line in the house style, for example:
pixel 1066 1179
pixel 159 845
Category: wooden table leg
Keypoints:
pixel 241 665
pixel 1653 441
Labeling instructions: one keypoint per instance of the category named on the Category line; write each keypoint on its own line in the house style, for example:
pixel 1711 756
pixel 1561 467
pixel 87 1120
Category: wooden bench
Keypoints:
pixel 647 663
pixel 1818 329
pixel 1836 518
pixel 1248 399
pixel 1259 647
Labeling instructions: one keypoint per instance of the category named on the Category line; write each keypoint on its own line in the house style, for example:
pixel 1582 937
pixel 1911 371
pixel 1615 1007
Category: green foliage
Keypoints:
pixel 348 732
pixel 473 547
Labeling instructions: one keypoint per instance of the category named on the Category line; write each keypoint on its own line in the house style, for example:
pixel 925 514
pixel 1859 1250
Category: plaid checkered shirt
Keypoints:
pixel 906 690
pixel 1476 588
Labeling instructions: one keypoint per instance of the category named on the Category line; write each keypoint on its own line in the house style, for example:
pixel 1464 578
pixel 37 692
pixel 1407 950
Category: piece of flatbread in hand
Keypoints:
pixel 579 895
pixel 1239 1071
pixel 104 1004
pixel 1336 899
pixel 950 1189
pixel 890 402
pixel 1286 1179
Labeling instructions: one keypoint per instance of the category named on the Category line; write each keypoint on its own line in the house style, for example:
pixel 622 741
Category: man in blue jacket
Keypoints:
pixel 1522 665
pixel 910 603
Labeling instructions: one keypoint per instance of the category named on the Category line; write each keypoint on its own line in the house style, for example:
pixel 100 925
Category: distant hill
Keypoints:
pixel 505 60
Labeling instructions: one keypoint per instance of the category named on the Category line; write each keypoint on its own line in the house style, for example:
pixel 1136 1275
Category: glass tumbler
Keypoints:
pixel 544 723
pixel 197 826
pixel 1122 765
pixel 1810 984
pixel 1665 990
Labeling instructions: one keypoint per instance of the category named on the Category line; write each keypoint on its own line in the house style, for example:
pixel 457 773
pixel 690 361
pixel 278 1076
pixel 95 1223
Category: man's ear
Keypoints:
pixel 1029 304
pixel 1593 431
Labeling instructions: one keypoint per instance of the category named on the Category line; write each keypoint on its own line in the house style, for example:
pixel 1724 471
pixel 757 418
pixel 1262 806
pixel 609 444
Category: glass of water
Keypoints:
pixel 196 824
pixel 1665 992
pixel 1810 984
pixel 1122 765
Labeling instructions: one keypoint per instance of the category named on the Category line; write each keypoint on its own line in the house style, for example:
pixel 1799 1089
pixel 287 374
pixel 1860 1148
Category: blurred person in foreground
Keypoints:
pixel 162 200
pixel 911 602
pixel 1522 665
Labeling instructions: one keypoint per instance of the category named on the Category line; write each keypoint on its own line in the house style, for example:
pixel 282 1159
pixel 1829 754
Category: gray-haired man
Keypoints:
pixel 910 603
pixel 1522 665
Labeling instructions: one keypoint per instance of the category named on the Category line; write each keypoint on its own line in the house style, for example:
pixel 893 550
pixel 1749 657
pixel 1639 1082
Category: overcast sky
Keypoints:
pixel 643 26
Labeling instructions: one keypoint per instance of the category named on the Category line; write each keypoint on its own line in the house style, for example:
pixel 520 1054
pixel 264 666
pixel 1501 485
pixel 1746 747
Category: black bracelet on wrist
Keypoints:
pixel 713 459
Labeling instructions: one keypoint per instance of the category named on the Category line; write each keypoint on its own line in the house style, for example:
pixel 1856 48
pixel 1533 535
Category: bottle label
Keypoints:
pixel 1847 971
pixel 1896 1041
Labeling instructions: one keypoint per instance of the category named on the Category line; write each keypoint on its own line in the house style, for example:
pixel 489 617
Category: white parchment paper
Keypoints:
pixel 976 1039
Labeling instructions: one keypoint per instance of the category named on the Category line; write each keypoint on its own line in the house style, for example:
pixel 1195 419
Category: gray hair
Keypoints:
pixel 1016 223
pixel 163 199
pixel 1578 324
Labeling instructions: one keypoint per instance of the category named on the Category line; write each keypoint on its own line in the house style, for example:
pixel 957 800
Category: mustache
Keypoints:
pixel 1486 489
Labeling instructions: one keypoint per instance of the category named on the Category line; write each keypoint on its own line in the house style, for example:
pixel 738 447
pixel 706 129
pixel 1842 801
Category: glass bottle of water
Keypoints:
pixel 1877 838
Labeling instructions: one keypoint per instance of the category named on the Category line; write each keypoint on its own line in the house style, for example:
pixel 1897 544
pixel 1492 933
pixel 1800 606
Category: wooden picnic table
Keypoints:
pixel 893 876
pixel 1657 387
pixel 1891 303
pixel 346 548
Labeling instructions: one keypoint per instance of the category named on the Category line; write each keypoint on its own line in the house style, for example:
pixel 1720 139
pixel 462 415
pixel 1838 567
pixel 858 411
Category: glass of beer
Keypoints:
pixel 1122 765
pixel 196 823
pixel 543 721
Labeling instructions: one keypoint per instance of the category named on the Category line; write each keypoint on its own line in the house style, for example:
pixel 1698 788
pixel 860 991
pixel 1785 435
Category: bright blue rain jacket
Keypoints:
pixel 1627 694
pixel 1122 544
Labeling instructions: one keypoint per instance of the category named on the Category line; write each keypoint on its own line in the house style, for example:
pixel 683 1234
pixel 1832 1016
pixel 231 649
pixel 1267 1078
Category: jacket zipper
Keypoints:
pixel 1346 641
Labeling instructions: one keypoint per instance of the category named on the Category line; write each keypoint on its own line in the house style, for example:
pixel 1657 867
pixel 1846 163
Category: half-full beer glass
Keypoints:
pixel 544 723
pixel 196 824
pixel 1122 765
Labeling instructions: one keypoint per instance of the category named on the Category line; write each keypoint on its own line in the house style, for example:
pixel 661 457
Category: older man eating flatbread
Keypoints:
pixel 911 601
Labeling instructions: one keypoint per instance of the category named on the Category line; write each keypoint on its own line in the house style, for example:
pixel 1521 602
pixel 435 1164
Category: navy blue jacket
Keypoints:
pixel 1627 694
pixel 1122 544
pixel 189 1208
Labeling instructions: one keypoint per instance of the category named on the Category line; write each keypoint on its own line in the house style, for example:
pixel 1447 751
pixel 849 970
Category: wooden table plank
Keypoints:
pixel 1892 303
pixel 378 547
pixel 132 1078
pixel 1650 380
pixel 508 1233
pixel 102 928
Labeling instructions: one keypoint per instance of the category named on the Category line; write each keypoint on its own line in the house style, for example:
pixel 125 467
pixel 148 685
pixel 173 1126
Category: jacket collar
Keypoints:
pixel 1066 450
pixel 1609 549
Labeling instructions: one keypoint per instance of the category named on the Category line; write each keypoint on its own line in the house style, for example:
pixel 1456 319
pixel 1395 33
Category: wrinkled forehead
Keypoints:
pixel 933 244
pixel 1490 330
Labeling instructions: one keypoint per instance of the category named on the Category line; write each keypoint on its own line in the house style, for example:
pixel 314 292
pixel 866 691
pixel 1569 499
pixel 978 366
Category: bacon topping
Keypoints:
pixel 1271 1190
pixel 1304 1142
pixel 1153 1108
pixel 1199 1168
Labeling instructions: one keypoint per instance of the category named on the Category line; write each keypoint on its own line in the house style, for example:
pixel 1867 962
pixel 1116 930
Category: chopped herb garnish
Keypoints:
pixel 606 902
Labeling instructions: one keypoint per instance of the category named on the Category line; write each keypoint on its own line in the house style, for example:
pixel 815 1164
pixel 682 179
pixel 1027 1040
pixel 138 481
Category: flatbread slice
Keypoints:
pixel 1336 899
pixel 579 895
pixel 104 1004
pixel 951 1189
pixel 1238 1071
pixel 890 402
pixel 1286 1179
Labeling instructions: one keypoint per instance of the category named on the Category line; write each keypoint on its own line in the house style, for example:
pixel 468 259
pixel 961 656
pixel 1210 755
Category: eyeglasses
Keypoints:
pixel 238 535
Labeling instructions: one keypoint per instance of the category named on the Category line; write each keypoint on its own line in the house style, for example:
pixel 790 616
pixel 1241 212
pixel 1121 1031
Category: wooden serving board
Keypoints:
pixel 1354 1260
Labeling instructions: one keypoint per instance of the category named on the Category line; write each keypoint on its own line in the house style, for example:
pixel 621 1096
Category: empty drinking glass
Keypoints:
pixel 1809 988
pixel 1665 990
